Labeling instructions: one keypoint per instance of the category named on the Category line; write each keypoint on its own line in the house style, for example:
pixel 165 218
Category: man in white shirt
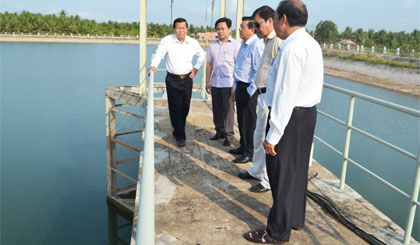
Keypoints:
pixel 263 18
pixel 178 50
pixel 294 87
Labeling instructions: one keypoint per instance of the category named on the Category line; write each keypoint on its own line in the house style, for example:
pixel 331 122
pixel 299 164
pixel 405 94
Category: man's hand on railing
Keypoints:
pixel 152 68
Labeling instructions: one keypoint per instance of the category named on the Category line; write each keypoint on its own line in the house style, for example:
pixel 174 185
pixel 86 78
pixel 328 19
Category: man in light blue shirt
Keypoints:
pixel 247 63
pixel 221 57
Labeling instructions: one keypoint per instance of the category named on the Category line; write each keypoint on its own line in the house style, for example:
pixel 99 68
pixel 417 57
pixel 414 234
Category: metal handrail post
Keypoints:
pixel 145 234
pixel 203 80
pixel 111 156
pixel 347 143
pixel 412 207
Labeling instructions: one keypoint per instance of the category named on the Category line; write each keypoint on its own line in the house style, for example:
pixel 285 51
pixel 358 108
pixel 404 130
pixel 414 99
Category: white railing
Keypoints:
pixel 145 233
pixel 353 95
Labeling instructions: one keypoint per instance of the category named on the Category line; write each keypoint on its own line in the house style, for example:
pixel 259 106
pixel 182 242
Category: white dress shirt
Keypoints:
pixel 178 56
pixel 295 80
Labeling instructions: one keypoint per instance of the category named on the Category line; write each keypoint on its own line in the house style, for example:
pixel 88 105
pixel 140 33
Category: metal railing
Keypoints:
pixel 145 223
pixel 353 95
pixel 196 89
pixel 145 233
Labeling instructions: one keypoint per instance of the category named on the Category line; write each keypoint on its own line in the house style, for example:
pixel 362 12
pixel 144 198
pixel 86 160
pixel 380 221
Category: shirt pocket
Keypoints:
pixel 228 57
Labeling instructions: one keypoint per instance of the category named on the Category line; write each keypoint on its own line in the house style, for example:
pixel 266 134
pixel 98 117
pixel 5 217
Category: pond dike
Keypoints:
pixel 200 200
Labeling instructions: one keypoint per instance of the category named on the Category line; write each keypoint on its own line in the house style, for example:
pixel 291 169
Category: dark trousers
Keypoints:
pixel 246 108
pixel 288 174
pixel 179 97
pixel 223 112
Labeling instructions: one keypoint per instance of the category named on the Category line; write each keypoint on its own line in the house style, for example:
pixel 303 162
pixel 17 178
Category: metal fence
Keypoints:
pixel 372 49
pixel 124 127
pixel 413 198
pixel 145 222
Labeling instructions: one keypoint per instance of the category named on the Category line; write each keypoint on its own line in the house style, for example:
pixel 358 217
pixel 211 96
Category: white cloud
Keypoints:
pixel 316 8
pixel 84 14
pixel 408 3
pixel 231 10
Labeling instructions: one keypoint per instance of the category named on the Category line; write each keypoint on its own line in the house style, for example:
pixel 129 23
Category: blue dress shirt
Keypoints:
pixel 248 61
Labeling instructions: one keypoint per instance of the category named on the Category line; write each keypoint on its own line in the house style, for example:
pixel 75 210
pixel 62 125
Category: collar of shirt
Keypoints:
pixel 175 39
pixel 229 40
pixel 251 40
pixel 299 32
pixel 270 36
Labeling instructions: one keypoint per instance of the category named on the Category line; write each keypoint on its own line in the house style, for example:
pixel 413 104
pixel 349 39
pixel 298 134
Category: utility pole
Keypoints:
pixel 172 6
pixel 212 9
pixel 206 14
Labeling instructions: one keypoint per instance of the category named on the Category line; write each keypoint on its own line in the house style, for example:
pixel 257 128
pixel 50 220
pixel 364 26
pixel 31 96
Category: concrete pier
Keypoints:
pixel 200 200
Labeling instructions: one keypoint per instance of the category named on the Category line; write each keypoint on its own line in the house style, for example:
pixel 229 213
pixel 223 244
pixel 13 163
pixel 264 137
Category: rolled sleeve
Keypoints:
pixel 201 56
pixel 159 54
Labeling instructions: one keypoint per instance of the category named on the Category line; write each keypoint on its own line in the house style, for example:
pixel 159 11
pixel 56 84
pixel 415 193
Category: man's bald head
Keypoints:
pixel 295 11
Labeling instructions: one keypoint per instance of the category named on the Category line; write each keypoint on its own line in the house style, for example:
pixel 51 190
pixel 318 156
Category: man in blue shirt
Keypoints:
pixel 247 63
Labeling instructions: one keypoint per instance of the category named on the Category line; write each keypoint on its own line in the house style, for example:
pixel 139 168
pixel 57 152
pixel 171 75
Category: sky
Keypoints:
pixel 390 15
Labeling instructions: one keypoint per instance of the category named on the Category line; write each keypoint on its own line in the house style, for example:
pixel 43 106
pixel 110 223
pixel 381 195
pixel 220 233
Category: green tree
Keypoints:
pixel 360 36
pixel 347 33
pixel 326 31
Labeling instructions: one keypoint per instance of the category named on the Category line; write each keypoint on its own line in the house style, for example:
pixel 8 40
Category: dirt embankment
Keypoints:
pixel 403 80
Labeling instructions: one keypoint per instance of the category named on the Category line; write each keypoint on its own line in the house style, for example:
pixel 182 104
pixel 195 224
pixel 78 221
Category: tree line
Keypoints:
pixel 62 23
pixel 327 32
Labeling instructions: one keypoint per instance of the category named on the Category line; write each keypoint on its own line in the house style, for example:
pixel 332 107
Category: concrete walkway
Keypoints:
pixel 200 200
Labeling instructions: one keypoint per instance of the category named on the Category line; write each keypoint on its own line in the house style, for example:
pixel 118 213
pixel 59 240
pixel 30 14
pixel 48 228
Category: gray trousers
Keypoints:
pixel 223 111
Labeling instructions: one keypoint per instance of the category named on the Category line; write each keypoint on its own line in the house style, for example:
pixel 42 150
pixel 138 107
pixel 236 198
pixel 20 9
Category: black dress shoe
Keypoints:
pixel 181 143
pixel 242 159
pixel 217 136
pixel 246 175
pixel 238 151
pixel 297 228
pixel 227 142
pixel 258 188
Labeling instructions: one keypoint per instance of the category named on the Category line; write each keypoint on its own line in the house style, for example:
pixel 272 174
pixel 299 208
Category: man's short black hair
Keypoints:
pixel 251 24
pixel 265 12
pixel 180 20
pixel 224 19
pixel 295 12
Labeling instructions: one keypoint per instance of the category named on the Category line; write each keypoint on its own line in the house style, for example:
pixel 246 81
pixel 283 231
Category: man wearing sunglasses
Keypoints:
pixel 263 19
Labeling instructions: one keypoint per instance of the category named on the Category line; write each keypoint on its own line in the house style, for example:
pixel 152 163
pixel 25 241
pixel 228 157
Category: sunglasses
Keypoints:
pixel 257 25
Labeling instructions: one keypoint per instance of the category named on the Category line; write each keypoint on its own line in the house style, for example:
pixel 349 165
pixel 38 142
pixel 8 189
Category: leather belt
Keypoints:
pixel 178 76
pixel 261 90
pixel 242 83
pixel 297 107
